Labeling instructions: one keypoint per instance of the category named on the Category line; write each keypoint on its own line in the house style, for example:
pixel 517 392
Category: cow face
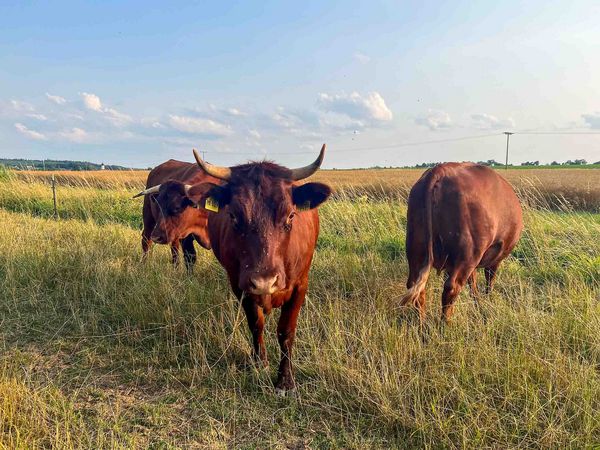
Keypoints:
pixel 173 213
pixel 258 206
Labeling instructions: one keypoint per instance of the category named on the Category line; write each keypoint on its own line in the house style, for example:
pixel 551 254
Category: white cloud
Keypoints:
pixel 361 57
pixel 592 120
pixel 254 133
pixel 342 123
pixel 435 120
pixel 489 122
pixel 151 122
pixel 195 125
pixel 235 112
pixel 31 134
pixel 116 117
pixel 298 122
pixel 37 116
pixel 19 105
pixel 77 135
pixel 56 99
pixel 372 107
pixel 91 101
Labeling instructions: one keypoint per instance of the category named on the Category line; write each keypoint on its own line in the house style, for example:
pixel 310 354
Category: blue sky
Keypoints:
pixel 141 82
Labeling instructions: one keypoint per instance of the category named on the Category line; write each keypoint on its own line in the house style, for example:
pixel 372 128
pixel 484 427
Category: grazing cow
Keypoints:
pixel 461 216
pixel 169 216
pixel 263 229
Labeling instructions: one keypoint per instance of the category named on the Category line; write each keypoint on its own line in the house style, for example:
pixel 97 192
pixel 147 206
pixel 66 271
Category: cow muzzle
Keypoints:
pixel 159 237
pixel 264 285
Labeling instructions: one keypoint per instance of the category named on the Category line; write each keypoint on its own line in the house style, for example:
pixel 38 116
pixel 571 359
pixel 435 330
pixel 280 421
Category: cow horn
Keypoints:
pixel 306 171
pixel 224 173
pixel 152 190
pixel 187 188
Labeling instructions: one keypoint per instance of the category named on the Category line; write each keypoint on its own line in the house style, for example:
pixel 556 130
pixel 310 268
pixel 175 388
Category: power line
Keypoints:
pixel 557 132
pixel 381 147
pixel 415 143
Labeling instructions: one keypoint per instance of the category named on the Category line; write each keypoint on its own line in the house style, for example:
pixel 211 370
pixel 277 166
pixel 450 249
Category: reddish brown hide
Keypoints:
pixel 169 216
pixel 264 235
pixel 461 216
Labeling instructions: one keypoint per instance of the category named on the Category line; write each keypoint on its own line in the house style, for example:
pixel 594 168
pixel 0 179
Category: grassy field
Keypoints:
pixel 101 351
pixel 549 188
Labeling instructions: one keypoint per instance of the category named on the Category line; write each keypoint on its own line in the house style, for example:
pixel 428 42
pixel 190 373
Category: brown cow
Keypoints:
pixel 461 216
pixel 169 216
pixel 263 230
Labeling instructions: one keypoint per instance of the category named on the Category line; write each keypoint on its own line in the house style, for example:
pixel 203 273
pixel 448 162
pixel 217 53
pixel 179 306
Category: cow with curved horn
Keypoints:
pixel 169 217
pixel 263 227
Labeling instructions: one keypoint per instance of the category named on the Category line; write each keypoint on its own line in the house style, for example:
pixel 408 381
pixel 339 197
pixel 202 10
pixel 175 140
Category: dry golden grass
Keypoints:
pixel 102 179
pixel 564 189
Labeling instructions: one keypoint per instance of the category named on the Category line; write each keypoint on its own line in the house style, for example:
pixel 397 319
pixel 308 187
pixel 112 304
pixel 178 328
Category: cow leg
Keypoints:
pixel 256 323
pixel 286 334
pixel 146 245
pixel 175 246
pixel 490 276
pixel 457 278
pixel 149 223
pixel 472 280
pixel 189 253
pixel 415 267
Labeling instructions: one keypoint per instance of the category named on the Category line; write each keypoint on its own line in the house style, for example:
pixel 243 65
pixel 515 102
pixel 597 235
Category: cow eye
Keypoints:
pixel 288 222
pixel 234 220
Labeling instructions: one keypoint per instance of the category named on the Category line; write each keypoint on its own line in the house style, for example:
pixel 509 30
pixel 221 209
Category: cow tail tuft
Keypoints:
pixel 412 294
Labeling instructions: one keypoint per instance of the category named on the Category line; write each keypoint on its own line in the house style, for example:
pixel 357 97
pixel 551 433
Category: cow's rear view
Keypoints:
pixel 461 216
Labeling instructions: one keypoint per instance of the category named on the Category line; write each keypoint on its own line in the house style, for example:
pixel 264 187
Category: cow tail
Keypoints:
pixel 412 294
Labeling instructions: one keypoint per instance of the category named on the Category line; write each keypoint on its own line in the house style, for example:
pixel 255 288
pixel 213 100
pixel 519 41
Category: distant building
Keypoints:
pixel 102 167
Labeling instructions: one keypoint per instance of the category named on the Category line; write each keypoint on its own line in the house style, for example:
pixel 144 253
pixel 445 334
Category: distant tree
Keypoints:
pixel 555 163
pixel 576 162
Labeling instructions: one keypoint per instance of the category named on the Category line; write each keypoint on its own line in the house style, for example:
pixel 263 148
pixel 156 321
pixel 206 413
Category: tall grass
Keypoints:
pixel 575 189
pixel 100 350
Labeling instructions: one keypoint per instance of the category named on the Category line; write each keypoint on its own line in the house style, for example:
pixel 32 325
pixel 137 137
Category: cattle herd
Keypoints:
pixel 261 222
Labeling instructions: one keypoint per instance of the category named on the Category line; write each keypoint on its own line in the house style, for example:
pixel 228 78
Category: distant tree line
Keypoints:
pixel 494 163
pixel 574 162
pixel 49 164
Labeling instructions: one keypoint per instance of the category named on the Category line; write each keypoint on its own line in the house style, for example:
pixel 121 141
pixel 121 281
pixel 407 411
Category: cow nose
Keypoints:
pixel 158 239
pixel 263 285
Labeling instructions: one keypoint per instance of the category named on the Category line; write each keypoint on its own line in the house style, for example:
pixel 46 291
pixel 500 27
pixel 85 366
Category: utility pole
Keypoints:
pixel 507 133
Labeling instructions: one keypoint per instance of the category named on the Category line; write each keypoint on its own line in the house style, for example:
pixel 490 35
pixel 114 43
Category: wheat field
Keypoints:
pixel 552 188
pixel 101 351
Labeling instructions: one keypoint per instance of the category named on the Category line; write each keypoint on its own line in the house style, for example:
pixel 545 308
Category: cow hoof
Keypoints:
pixel 285 392
pixel 261 366
pixel 280 392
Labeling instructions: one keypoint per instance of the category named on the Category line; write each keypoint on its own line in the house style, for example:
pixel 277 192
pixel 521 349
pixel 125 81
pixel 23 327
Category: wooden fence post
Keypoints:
pixel 54 196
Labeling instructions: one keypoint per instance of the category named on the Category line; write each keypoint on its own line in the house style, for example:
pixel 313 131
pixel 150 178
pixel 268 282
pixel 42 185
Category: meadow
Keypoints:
pixel 101 351
pixel 550 188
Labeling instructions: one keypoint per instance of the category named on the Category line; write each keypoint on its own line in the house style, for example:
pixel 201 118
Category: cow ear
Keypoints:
pixel 209 196
pixel 310 195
